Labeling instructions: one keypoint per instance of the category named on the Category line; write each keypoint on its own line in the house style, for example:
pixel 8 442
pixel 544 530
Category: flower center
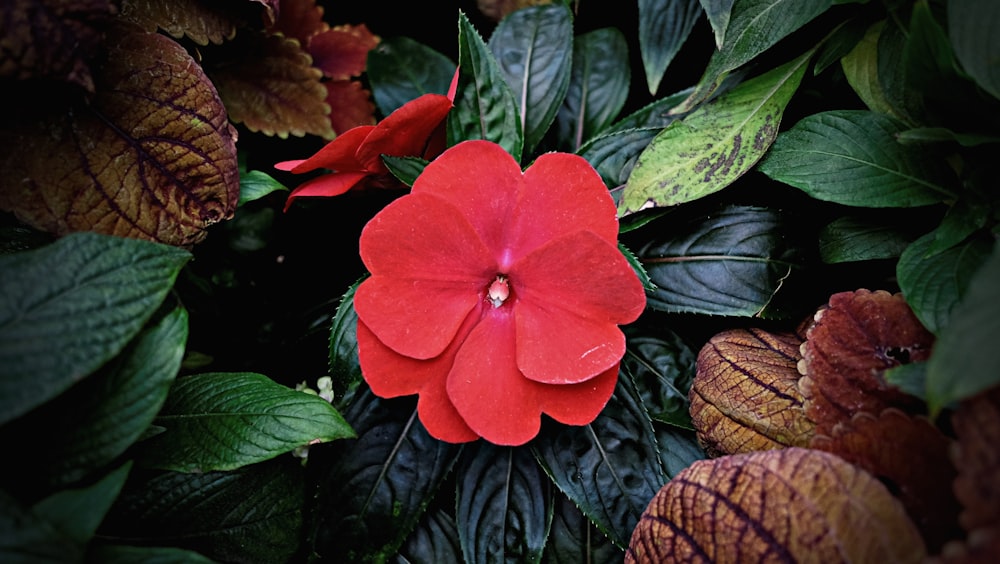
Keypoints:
pixel 498 291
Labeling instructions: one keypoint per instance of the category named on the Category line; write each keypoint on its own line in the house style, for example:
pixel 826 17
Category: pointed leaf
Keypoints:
pixel 972 28
pixel 485 106
pixel 860 66
pixel 718 13
pixel 70 306
pixel 406 169
pixel 598 87
pixel 856 238
pixel 26 536
pixel 533 48
pixel 663 29
pixel 679 448
pixel 223 421
pixel 714 145
pixel 574 539
pixel 401 69
pixel 344 366
pixel 78 512
pixel 663 366
pixel 434 540
pixel 851 157
pixel 504 505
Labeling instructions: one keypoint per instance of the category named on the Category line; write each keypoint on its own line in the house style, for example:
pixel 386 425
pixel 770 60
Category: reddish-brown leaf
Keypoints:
pixel 852 341
pixel 350 105
pixel 745 395
pixel 977 457
pixel 299 19
pixel 152 157
pixel 51 39
pixel 269 85
pixel 200 21
pixel 342 52
pixel 911 455
pixel 497 9
pixel 787 505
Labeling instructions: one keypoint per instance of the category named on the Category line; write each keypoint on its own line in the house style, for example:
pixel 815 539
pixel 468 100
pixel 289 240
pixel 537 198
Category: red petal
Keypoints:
pixel 288 165
pixel 406 131
pixel 555 346
pixel 333 184
pixel 392 375
pixel 338 154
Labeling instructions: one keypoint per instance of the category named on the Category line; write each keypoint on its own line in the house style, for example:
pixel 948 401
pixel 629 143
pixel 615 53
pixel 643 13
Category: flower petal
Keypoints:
pixel 339 154
pixel 390 375
pixel 405 132
pixel 333 184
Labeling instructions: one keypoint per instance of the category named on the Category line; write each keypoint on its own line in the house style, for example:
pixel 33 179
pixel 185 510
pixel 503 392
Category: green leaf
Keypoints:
pixel 893 74
pixel 93 423
pixel 27 537
pixel 401 69
pixel 942 134
pixel 733 262
pixel 678 448
pixel 609 468
pixel 380 483
pixel 851 157
pixel 345 370
pixel 406 169
pixel 839 44
pixel 860 66
pixel 663 29
pixel 533 47
pixel 640 271
pixel 252 514
pixel 256 184
pixel 855 238
pixel 714 145
pixel 77 513
pixel 574 539
pixel 934 285
pixel 911 378
pixel 964 361
pixel 434 540
pixel 485 106
pixel 598 87
pixel 223 421
pixel 662 366
pixel 69 307
pixel 754 27
pixel 972 26
pixel 123 554
pixel 503 505
pixel 718 13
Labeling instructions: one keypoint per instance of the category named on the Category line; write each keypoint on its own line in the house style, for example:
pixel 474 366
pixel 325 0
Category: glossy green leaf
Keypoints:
pixel 754 26
pixel 598 86
pixel 718 13
pixel 406 169
pixel 733 262
pixel 663 29
pixel 503 505
pixel 533 48
pixel 252 514
pixel 934 285
pixel 964 362
pixel 380 483
pixel 855 238
pixel 93 423
pixel 401 69
pixel 911 378
pixel 662 365
pixel 69 307
pixel 434 540
pixel 962 219
pixel 485 106
pixel 609 468
pixel 640 272
pixel 226 420
pixel 860 66
pixel 345 370
pixel 851 157
pixel 574 539
pixel 972 26
pixel 714 145
pixel 77 513
pixel 256 184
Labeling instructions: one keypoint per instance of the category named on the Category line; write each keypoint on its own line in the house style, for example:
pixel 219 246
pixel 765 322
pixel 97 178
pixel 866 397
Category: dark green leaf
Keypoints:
pixel 678 448
pixel 598 87
pixel 434 540
pixel 123 554
pixel 533 48
pixel 851 157
pixel 961 220
pixel 253 514
pixel 860 66
pixel 662 366
pixel 575 539
pixel 503 506
pixel 940 134
pixel 911 378
pixel 344 366
pixel 972 26
pixel 718 13
pixel 406 169
pixel 69 307
pixel 381 482
pixel 640 271
pixel 934 285
pixel 29 538
pixel 77 513
pixel 401 69
pixel 256 184
pixel 964 361
pixel 892 74
pixel 609 468
pixel 841 42
pixel 855 238
pixel 485 106
pixel 663 29
pixel 733 262
pixel 223 421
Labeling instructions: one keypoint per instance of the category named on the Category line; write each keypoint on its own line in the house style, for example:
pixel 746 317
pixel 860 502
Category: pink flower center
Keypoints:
pixel 498 291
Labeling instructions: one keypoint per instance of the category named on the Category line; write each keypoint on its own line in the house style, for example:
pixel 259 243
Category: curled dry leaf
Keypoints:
pixel 852 341
pixel 909 454
pixel 153 156
pixel 745 394
pixel 787 505
pixel 200 21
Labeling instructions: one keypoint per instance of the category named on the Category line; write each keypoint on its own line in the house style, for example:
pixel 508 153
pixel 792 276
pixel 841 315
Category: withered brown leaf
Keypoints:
pixel 745 394
pixel 153 156
pixel 977 456
pixel 787 505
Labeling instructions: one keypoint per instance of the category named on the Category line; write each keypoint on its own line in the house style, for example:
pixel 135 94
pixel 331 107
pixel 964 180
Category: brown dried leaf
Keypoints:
pixel 977 457
pixel 911 455
pixel 152 157
pixel 788 505
pixel 51 39
pixel 745 394
pixel 853 340
pixel 201 22
pixel 269 85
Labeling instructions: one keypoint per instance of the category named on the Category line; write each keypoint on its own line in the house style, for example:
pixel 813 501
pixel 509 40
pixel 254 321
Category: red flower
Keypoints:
pixel 415 129
pixel 496 295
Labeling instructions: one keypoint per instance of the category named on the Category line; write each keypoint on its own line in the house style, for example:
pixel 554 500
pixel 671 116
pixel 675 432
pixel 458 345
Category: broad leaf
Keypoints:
pixel 406 169
pixel 731 263
pixel 860 66
pixel 124 554
pixel 503 505
pixel 434 540
pixel 663 29
pixel 26 536
pixel 223 421
pixel 851 157
pixel 485 106
pixel 255 184
pixel 77 513
pixel 69 307
pixel 856 238
pixel 598 87
pixel 401 69
pixel 609 468
pixel 972 29
pixel 662 365
pixel 678 448
pixel 533 47
pixel 714 145
pixel 718 13
pixel 574 539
